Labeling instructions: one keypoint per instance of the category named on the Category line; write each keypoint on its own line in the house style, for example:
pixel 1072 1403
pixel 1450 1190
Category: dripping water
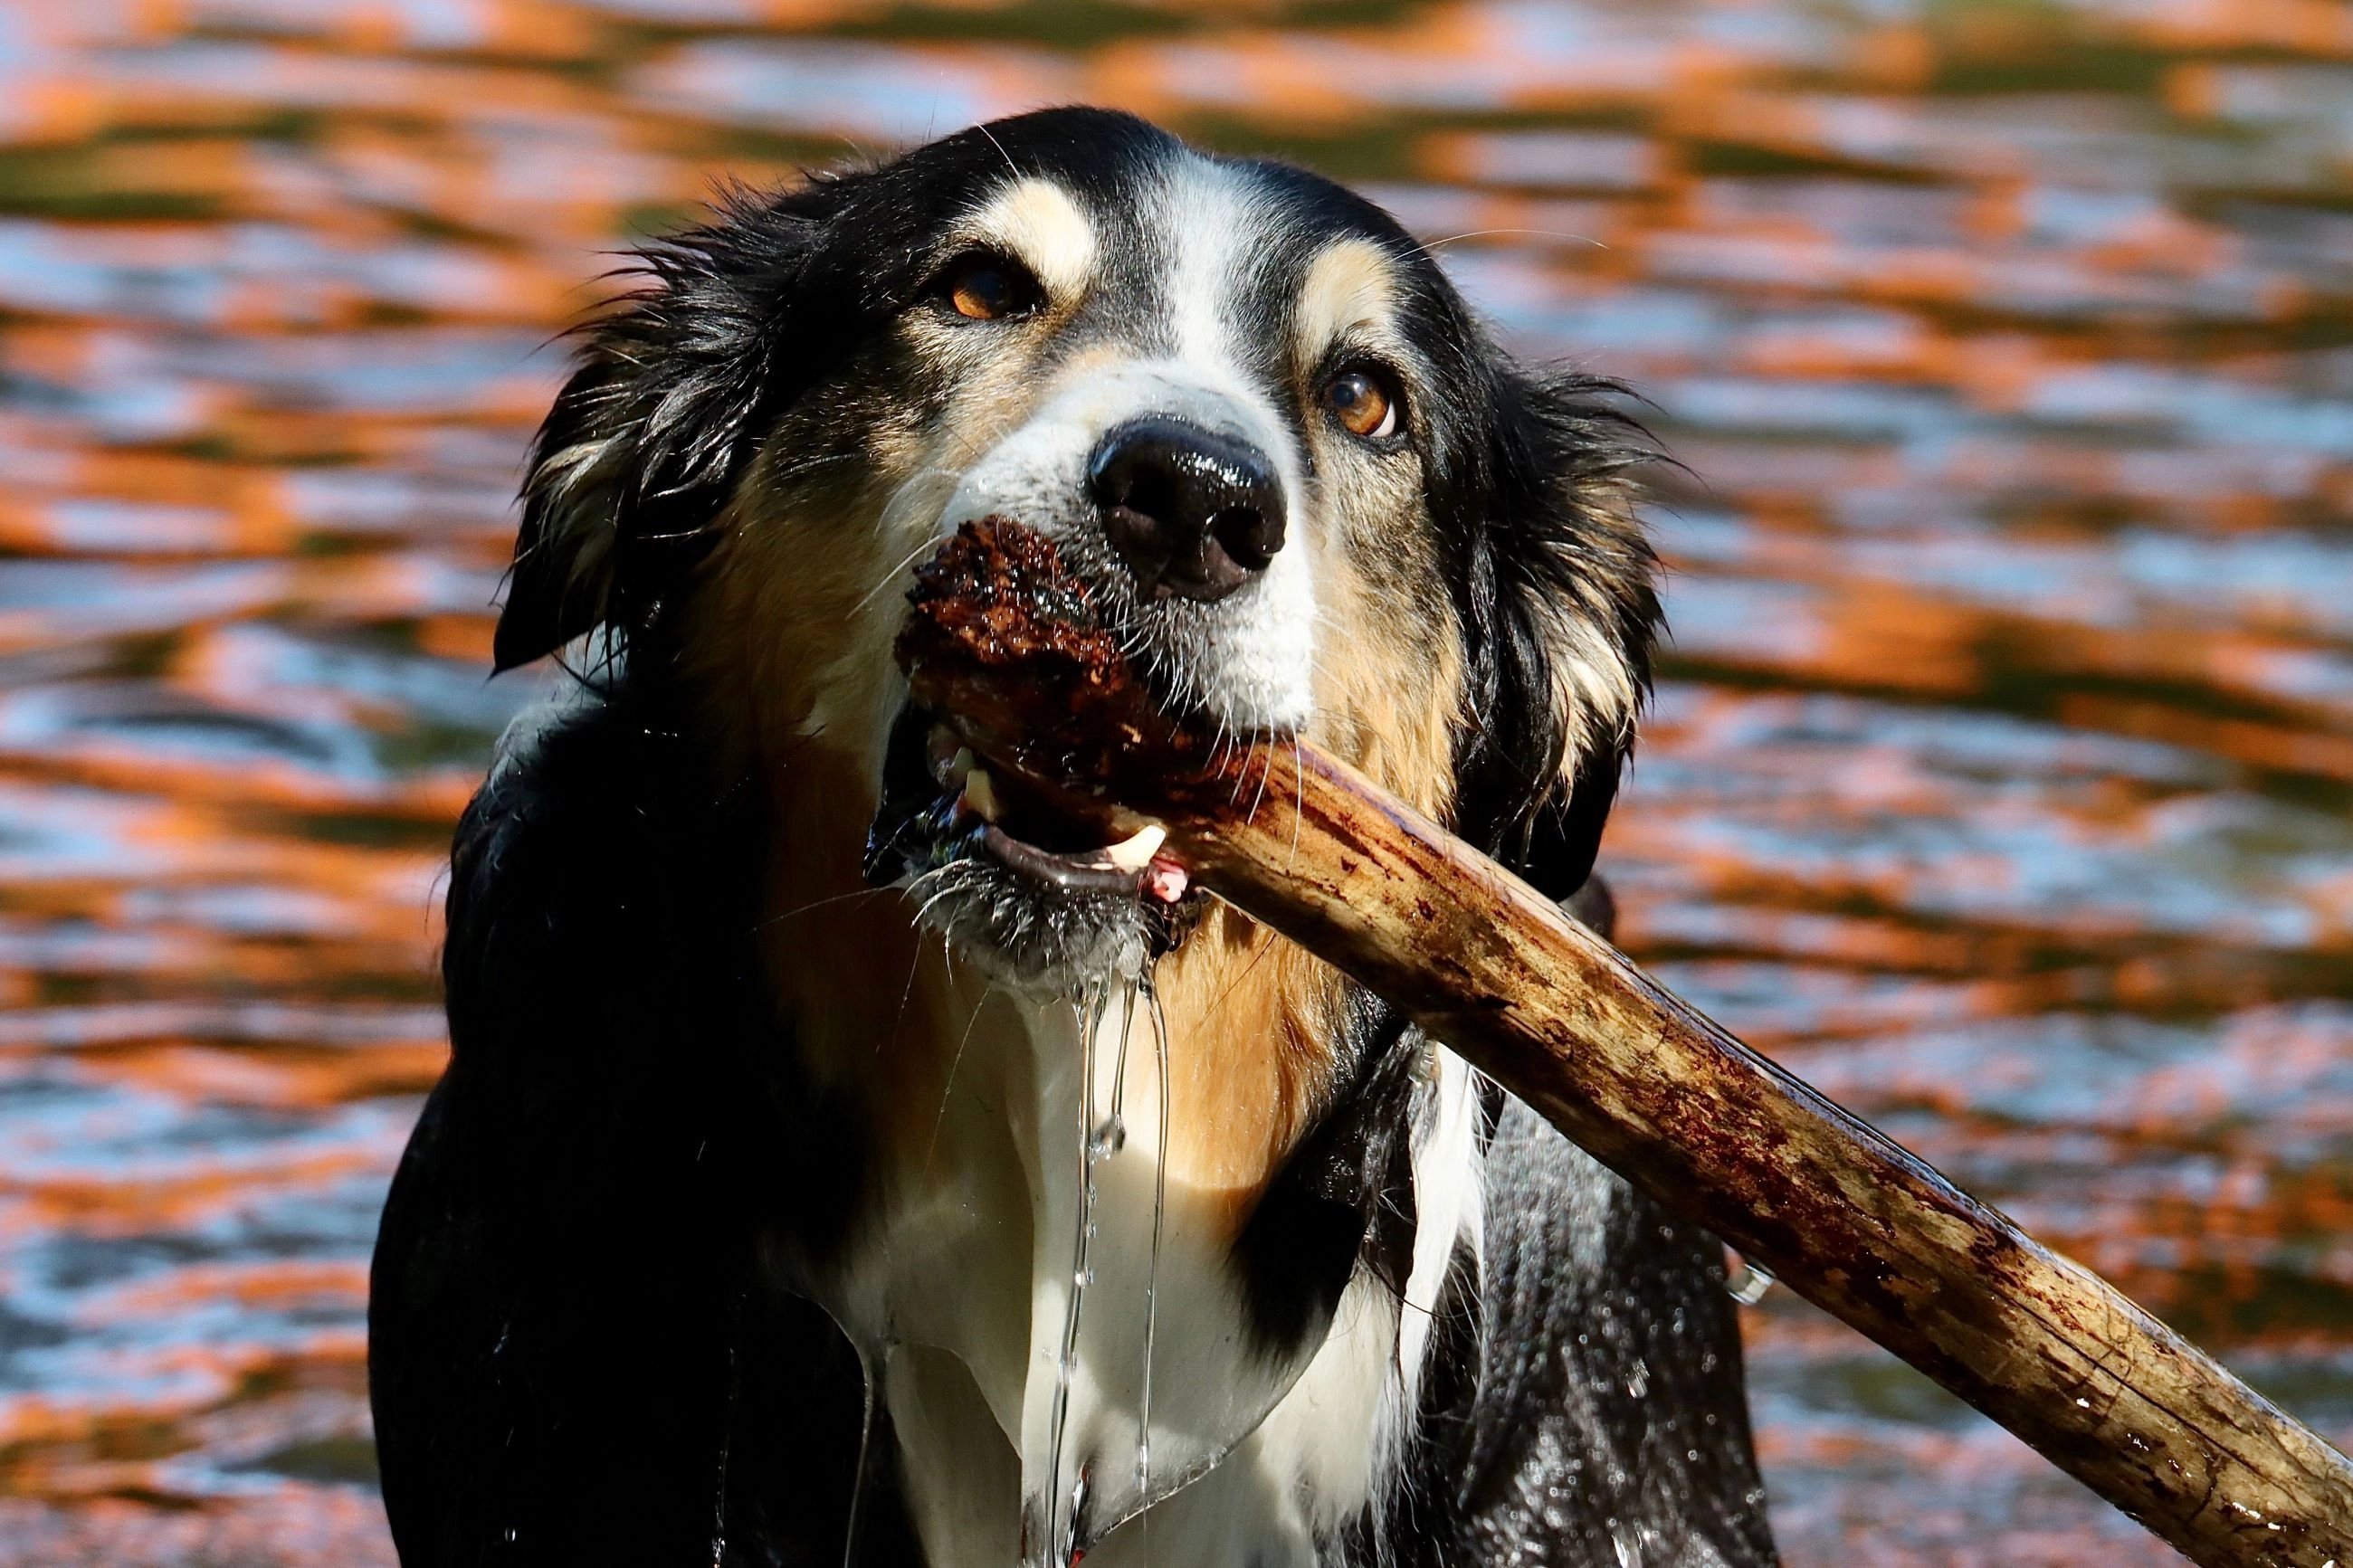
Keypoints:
pixel 1062 1514
pixel 1100 1140
pixel 1159 1211
pixel 869 1380
pixel 1112 1135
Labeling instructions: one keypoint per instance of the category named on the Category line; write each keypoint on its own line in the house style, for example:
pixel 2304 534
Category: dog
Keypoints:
pixel 839 1162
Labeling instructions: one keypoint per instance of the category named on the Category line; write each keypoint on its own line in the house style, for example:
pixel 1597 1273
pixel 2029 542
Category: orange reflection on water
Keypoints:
pixel 1999 779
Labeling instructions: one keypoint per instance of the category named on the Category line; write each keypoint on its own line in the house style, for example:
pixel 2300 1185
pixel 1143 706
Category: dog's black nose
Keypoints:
pixel 1193 513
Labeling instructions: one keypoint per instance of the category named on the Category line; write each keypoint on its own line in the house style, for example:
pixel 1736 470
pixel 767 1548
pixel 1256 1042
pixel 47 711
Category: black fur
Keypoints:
pixel 1345 1195
pixel 1603 1421
pixel 585 1344
pixel 577 1352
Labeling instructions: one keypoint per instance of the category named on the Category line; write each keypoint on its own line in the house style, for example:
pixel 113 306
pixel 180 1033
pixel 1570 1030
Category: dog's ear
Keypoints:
pixel 667 402
pixel 1561 611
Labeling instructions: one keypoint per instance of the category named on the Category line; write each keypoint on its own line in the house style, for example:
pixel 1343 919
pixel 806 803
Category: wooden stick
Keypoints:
pixel 1855 1224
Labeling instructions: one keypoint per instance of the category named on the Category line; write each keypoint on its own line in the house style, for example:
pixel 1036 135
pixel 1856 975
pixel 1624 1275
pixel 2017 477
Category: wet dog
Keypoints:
pixel 842 1161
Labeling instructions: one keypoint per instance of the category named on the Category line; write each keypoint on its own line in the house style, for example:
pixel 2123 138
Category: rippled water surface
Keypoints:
pixel 1999 781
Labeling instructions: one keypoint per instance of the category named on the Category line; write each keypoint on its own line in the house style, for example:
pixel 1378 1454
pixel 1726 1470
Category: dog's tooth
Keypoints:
pixel 1134 854
pixel 980 794
pixel 946 758
pixel 948 771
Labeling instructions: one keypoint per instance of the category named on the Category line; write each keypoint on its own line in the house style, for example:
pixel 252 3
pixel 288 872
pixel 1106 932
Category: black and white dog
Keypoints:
pixel 830 1167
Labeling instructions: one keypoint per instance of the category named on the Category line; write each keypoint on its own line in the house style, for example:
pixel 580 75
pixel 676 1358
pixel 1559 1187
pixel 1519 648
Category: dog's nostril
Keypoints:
pixel 1248 535
pixel 1194 513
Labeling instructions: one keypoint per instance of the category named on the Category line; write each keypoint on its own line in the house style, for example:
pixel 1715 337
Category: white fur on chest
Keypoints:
pixel 959 1297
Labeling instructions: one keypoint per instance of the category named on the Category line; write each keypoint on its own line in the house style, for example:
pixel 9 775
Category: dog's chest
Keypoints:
pixel 1055 1326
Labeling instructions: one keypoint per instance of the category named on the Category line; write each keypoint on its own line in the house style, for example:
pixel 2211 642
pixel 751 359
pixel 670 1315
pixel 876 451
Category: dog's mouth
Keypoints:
pixel 940 809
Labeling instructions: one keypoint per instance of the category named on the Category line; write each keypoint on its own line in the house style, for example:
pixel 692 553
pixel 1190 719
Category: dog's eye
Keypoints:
pixel 1364 403
pixel 984 287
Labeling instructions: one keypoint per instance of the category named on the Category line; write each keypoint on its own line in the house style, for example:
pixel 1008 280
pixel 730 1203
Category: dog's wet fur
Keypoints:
pixel 740 1229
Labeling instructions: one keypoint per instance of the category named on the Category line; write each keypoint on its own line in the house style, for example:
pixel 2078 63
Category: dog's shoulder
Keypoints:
pixel 554 820
pixel 1589 1402
pixel 597 876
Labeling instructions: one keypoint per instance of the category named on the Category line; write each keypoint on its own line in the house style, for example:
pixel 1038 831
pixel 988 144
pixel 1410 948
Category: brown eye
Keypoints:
pixel 1362 403
pixel 983 287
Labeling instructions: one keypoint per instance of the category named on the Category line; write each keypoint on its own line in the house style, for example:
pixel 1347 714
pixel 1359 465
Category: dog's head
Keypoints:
pixel 1304 484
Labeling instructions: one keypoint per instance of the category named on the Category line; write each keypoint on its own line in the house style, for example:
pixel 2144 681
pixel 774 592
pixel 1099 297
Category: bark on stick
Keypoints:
pixel 1661 1094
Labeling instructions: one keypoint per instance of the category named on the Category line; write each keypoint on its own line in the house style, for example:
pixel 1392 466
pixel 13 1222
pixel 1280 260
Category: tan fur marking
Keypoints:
pixel 1349 290
pixel 844 965
pixel 1250 1020
pixel 1388 689
pixel 1038 223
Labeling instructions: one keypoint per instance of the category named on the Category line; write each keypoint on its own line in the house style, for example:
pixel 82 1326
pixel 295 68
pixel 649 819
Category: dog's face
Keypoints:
pixel 1248 409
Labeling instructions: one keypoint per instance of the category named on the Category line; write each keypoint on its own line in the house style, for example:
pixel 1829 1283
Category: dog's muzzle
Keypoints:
pixel 1179 521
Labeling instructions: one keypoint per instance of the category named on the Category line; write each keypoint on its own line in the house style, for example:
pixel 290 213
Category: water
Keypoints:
pixel 1097 1141
pixel 1999 781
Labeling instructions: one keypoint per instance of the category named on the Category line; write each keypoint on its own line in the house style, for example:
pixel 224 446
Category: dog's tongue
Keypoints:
pixel 1165 879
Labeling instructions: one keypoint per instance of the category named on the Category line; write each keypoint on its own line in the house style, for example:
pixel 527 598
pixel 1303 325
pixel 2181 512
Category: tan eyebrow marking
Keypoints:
pixel 1037 222
pixel 1350 286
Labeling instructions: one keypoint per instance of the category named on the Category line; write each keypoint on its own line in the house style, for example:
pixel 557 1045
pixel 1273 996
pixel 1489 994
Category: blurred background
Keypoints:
pixel 1999 781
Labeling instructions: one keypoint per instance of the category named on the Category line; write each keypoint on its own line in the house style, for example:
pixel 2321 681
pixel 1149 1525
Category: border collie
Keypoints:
pixel 837 1164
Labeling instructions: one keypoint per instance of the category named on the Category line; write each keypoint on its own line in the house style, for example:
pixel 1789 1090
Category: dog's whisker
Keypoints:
pixel 1258 799
pixel 1001 153
pixel 947 1084
pixel 1299 782
pixel 906 994
pixel 1430 247
pixel 892 576
pixel 821 903
pixel 923 913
